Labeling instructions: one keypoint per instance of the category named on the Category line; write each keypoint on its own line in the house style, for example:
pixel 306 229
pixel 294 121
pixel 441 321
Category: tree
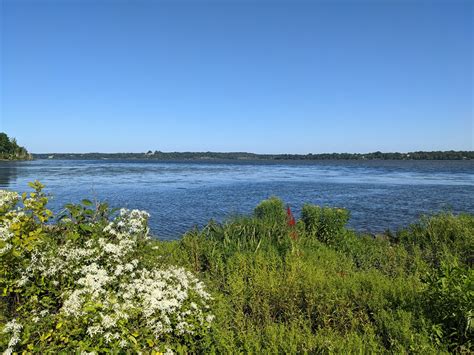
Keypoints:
pixel 9 149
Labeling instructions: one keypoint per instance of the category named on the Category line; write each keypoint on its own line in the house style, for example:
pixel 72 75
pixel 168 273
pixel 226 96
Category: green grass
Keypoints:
pixel 331 289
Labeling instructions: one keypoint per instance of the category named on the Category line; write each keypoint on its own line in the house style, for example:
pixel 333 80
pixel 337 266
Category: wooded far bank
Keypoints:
pixel 158 155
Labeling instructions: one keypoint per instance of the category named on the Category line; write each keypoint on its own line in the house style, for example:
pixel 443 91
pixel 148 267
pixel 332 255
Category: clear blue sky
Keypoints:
pixel 259 76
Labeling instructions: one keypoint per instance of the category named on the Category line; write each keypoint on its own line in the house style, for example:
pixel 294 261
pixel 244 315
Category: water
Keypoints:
pixel 179 195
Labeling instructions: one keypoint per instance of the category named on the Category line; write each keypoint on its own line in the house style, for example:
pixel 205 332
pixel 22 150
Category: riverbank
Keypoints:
pixel 92 279
pixel 236 156
pixel 21 158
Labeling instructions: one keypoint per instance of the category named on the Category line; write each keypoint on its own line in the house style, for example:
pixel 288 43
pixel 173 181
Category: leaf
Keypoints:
pixel 45 336
pixel 86 202
pixel 85 227
pixel 69 206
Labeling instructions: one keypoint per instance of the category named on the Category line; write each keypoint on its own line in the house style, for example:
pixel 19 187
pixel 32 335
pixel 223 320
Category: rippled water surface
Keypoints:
pixel 179 195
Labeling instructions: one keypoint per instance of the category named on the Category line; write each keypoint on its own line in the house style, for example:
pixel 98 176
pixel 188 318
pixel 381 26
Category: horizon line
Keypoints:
pixel 243 152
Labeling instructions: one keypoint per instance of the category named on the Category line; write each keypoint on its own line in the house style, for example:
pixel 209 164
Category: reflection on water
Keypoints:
pixel 179 195
pixel 7 173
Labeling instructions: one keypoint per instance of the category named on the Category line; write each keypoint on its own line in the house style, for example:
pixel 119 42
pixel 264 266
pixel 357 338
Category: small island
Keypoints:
pixel 10 150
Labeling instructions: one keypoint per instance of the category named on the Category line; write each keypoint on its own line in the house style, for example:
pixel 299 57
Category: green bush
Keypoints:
pixel 441 236
pixel 83 283
pixel 271 210
pixel 449 304
pixel 324 222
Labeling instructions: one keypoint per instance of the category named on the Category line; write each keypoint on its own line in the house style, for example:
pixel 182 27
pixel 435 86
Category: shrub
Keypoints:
pixel 272 291
pixel 324 222
pixel 81 284
pixel 271 210
pixel 441 236
pixel 449 304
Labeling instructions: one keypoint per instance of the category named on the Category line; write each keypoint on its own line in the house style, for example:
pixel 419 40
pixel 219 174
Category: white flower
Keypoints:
pixel 104 271
pixel 129 222
pixel 5 233
pixel 8 198
pixel 14 328
pixel 123 343
pixel 93 330
pixel 108 337
pixel 108 322
pixel 94 278
pixel 73 304
pixel 22 281
pixel 5 249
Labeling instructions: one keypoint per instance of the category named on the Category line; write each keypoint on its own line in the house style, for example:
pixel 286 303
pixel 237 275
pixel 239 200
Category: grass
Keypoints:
pixel 331 289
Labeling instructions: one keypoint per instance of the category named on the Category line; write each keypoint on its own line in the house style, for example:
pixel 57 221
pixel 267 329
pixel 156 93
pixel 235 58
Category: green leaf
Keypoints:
pixel 86 202
pixel 85 227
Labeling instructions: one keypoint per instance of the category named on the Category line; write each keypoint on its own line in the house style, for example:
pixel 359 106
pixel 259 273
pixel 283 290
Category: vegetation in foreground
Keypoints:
pixel 10 150
pixel 92 280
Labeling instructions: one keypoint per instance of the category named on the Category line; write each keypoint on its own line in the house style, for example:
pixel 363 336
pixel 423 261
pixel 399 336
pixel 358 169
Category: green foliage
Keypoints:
pixel 271 210
pixel 450 296
pixel 330 290
pixel 441 236
pixel 85 283
pixel 303 287
pixel 324 223
pixel 158 155
pixel 10 150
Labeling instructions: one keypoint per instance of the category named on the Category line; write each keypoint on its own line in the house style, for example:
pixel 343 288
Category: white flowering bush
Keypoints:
pixel 81 284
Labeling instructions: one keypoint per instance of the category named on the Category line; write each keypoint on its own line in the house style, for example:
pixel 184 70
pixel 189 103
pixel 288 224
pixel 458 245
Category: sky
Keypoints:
pixel 258 76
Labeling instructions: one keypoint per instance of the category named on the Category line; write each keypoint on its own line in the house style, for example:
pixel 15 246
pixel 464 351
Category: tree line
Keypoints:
pixel 159 155
pixel 10 150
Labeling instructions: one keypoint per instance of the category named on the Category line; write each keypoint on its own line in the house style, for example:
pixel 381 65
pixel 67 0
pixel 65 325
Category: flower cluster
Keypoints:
pixel 128 223
pixel 5 236
pixel 100 281
pixel 14 328
pixel 8 199
pixel 162 296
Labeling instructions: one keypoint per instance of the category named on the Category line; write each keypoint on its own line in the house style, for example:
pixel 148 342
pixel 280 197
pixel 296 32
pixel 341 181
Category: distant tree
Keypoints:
pixel 5 144
pixel 9 149
pixel 447 155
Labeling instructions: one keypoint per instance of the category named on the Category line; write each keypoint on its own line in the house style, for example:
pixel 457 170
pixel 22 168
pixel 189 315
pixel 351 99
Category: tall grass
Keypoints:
pixel 331 289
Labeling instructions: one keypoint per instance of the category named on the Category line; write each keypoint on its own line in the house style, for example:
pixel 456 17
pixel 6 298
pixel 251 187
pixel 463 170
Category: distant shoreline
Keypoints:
pixel 16 159
pixel 242 156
